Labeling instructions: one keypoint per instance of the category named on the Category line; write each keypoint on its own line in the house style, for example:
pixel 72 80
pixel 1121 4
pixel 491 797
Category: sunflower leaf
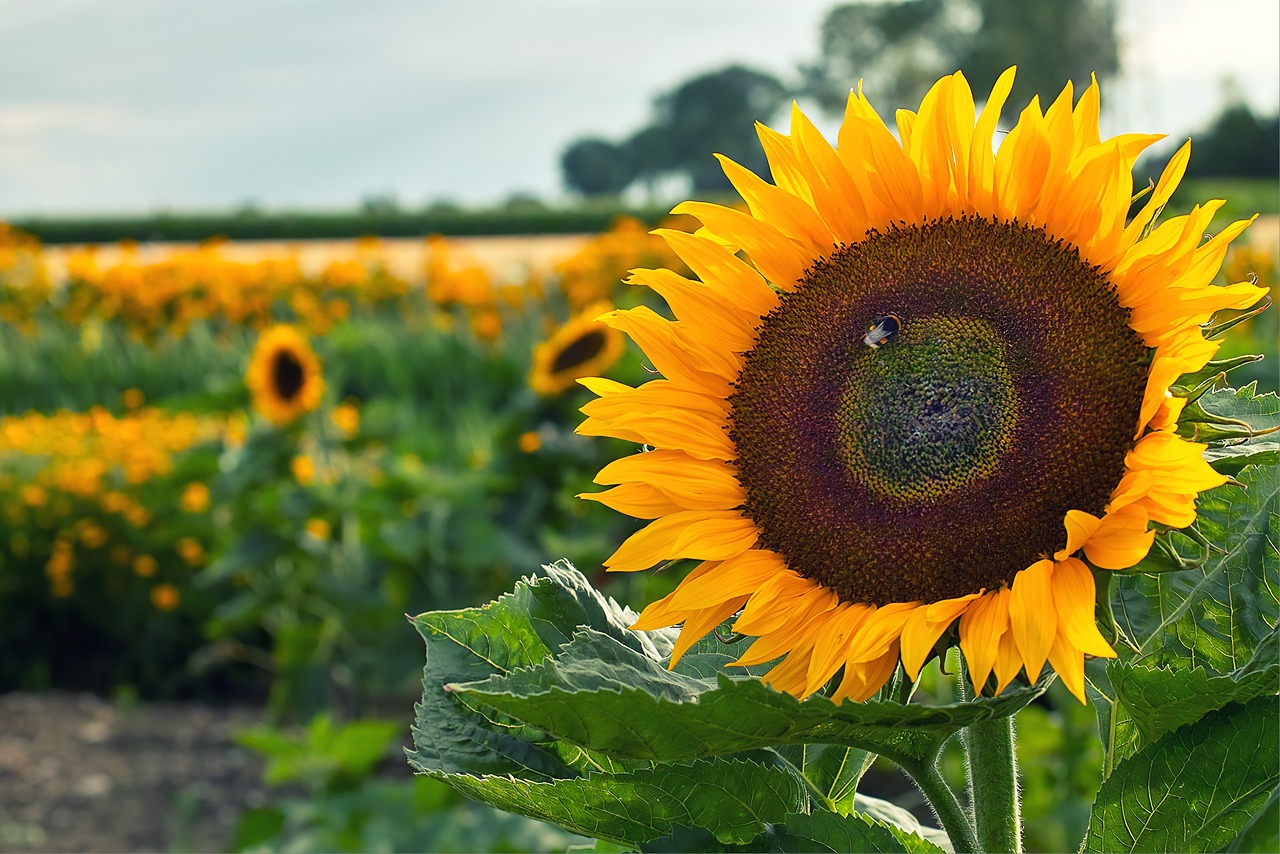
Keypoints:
pixel 1188 382
pixel 1216 615
pixel 1193 790
pixel 1261 833
pixel 1235 423
pixel 518 630
pixel 1159 700
pixel 818 831
pixel 607 697
pixel 734 800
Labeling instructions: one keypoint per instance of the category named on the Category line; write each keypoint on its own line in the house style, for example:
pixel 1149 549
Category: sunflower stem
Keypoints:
pixel 993 774
pixel 946 806
pixel 992 764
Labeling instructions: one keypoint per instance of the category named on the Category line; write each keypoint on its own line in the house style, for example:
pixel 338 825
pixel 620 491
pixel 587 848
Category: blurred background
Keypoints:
pixel 202 633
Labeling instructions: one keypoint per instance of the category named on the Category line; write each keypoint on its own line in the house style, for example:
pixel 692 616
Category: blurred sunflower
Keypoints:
pixel 938 388
pixel 284 375
pixel 582 347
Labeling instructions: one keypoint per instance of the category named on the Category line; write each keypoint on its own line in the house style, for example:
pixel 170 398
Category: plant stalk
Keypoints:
pixel 993 775
pixel 955 821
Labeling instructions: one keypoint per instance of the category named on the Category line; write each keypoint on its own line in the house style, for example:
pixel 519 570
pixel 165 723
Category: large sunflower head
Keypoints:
pixel 918 394
pixel 284 375
pixel 582 347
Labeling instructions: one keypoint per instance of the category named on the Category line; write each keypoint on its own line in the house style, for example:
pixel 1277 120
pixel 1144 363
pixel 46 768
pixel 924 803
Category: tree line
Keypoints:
pixel 898 49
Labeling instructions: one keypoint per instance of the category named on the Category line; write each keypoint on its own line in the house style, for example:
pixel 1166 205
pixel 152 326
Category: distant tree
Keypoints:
pixel 712 113
pixel 1238 144
pixel 900 48
pixel 1049 42
pixel 596 167
pixel 380 204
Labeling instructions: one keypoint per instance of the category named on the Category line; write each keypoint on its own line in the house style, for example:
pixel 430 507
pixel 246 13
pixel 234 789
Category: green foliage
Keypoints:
pixel 544 703
pixel 1184 709
pixel 312 225
pixel 1194 789
pixel 348 808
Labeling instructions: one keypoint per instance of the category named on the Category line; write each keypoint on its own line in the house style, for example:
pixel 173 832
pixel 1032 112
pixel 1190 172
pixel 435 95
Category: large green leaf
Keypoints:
pixel 518 630
pixel 1220 418
pixel 1215 616
pixel 1261 834
pixel 815 832
pixel 611 698
pixel 1157 700
pixel 1196 788
pixel 734 799
pixel 1193 625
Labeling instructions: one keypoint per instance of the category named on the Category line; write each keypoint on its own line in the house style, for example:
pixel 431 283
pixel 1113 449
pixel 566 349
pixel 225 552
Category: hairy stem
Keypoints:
pixel 955 821
pixel 993 775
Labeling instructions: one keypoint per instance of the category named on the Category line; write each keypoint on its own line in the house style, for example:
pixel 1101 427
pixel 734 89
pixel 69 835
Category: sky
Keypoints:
pixel 144 105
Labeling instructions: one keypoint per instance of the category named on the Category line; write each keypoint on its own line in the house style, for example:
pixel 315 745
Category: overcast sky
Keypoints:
pixel 136 105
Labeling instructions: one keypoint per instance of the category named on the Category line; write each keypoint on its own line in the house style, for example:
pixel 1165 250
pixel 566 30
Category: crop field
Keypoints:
pixel 229 469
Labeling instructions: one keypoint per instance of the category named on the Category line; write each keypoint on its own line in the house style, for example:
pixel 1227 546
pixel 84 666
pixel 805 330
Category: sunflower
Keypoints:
pixel 580 348
pixel 284 375
pixel 931 401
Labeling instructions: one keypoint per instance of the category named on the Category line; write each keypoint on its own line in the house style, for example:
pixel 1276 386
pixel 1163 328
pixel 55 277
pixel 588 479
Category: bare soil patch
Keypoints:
pixel 78 773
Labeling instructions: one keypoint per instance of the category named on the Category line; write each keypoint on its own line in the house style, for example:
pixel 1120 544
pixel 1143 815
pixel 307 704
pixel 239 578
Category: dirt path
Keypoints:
pixel 80 774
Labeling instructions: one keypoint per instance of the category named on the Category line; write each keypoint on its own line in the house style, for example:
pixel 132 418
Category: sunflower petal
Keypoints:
pixel 1031 615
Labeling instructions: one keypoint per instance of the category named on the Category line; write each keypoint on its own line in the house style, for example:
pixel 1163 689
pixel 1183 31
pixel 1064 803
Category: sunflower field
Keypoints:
pixel 232 475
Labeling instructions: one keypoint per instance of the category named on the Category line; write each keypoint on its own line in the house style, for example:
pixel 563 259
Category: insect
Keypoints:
pixel 884 329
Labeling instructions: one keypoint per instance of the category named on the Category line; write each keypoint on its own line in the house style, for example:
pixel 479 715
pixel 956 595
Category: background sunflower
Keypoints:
pixel 284 375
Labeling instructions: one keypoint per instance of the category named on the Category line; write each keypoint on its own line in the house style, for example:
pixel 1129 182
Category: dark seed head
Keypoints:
pixel 582 349
pixel 286 375
pixel 944 463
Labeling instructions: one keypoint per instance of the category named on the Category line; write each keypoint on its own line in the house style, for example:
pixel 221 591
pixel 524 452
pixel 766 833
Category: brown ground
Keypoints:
pixel 78 773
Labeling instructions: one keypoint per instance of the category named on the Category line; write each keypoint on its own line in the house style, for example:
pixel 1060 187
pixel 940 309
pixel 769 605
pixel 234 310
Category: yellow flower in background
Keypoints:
pixel 529 441
pixel 190 550
pixel 583 347
pixel 304 470
pixel 132 398
pixel 195 497
pixel 346 417
pixel 34 495
pixel 165 597
pixel 284 375
pixel 318 528
pixel 938 387
pixel 144 566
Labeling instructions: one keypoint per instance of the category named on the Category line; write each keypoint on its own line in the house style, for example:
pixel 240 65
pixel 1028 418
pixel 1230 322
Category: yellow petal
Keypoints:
pixel 781 259
pixel 1080 527
pixel 737 576
pixel 831 644
pixel 692 534
pixel 635 499
pixel 697 626
pixel 785 594
pixel 1031 615
pixel 1122 540
pixel 1074 598
pixel 1068 663
pixel 1008 661
pixel 981 627
pixel 880 630
pixel 862 679
pixel 923 628
pixel 692 483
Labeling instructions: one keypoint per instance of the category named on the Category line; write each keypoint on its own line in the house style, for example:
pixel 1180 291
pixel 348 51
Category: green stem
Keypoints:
pixel 993 774
pixel 955 821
